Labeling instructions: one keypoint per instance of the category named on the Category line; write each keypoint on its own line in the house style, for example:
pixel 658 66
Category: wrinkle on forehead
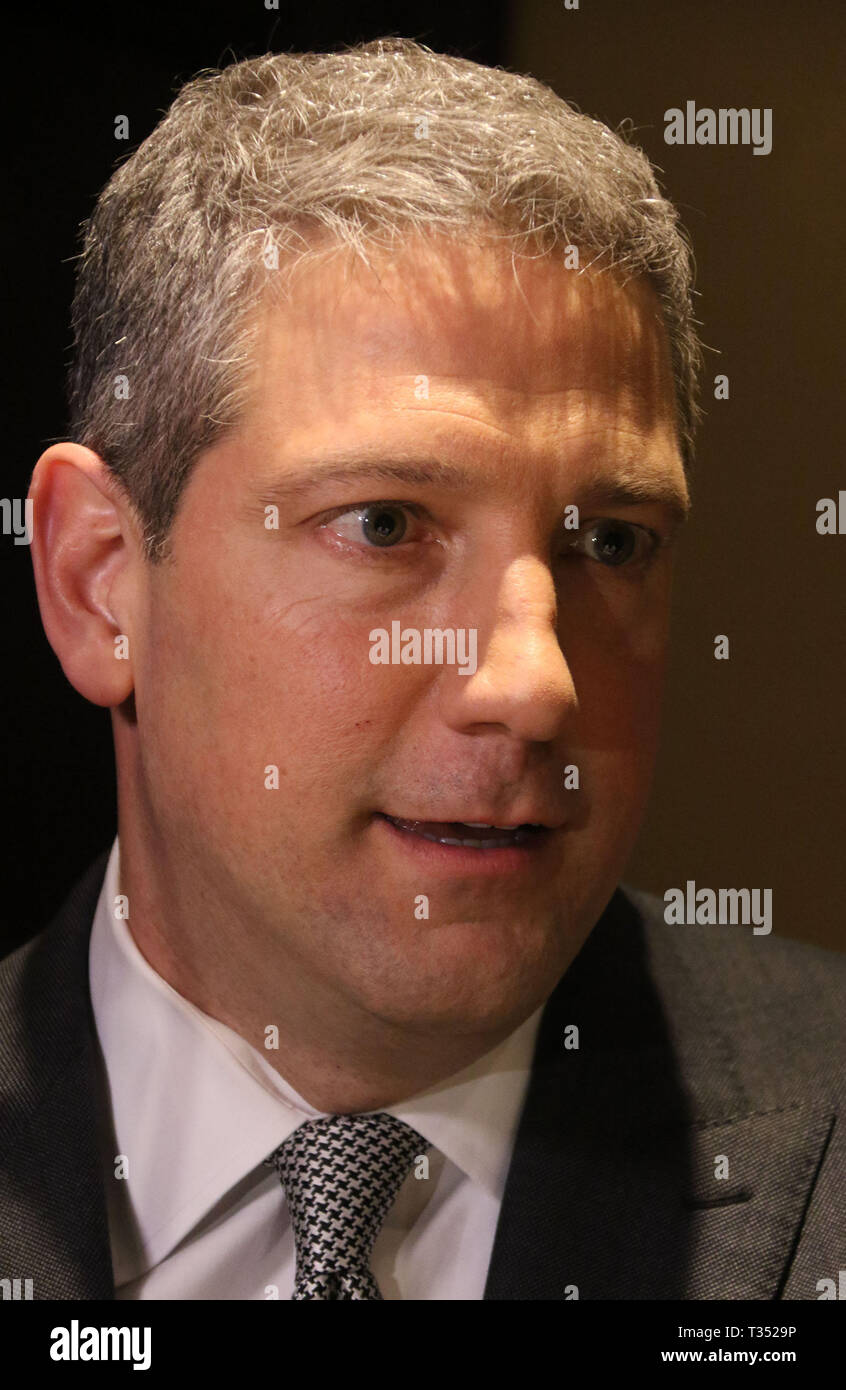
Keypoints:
pixel 468 313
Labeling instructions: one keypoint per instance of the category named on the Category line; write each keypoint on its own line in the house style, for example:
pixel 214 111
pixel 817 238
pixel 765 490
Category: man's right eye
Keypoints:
pixel 379 525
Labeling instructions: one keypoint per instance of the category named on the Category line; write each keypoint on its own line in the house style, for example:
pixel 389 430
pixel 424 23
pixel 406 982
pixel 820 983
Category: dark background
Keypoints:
pixel 748 791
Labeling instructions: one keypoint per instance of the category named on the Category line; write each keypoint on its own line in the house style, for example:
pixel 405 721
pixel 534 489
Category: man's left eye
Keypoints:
pixel 380 524
pixel 615 543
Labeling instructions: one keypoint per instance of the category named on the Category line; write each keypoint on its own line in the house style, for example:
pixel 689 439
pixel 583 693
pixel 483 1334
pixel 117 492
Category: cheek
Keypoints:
pixel 619 684
pixel 291 687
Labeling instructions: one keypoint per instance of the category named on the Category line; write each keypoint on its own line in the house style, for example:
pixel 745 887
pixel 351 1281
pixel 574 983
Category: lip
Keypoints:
pixel 465 861
pixel 527 815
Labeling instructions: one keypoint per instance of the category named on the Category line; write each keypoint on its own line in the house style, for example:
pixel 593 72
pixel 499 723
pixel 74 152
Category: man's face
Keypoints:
pixel 476 402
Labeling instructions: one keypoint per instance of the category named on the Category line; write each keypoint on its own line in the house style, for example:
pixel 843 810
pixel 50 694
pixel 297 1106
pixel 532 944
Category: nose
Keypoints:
pixel 523 684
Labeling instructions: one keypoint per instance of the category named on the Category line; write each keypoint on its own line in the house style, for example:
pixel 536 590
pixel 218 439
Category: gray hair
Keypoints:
pixel 294 150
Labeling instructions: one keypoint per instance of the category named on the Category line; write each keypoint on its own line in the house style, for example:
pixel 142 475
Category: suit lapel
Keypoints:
pixel 612 1191
pixel 53 1222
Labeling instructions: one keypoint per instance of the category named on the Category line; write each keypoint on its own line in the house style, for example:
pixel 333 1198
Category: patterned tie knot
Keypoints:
pixel 341 1175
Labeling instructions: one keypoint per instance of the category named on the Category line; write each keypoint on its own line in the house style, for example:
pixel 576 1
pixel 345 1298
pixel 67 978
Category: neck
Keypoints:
pixel 341 1057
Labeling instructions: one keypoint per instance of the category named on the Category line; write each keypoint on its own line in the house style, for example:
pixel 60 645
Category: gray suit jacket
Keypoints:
pixel 697 1045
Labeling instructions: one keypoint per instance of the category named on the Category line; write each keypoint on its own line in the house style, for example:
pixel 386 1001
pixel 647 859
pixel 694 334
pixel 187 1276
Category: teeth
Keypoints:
pixel 469 844
pixel 511 834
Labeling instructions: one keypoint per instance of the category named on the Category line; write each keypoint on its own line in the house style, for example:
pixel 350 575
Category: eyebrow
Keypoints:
pixel 630 491
pixel 414 472
pixel 623 490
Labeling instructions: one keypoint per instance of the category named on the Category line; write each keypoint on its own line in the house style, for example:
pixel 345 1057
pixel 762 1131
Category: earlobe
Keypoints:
pixel 82 539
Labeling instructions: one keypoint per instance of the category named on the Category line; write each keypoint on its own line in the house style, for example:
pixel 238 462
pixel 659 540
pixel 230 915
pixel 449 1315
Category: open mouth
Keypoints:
pixel 470 834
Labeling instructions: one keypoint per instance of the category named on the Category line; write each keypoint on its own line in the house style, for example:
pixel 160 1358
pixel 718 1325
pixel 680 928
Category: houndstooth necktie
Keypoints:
pixel 341 1174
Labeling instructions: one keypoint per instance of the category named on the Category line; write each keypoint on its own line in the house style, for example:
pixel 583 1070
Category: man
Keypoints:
pixel 383 404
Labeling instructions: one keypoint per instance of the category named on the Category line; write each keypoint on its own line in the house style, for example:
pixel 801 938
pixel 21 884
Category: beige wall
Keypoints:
pixel 749 788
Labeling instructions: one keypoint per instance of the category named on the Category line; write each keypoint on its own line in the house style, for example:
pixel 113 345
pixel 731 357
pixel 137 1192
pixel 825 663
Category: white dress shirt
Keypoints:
pixel 195 1109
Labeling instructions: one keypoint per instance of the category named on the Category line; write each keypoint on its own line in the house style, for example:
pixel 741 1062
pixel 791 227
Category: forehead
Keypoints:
pixel 484 328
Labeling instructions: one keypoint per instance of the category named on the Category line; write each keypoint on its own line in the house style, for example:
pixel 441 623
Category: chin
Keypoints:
pixel 468 991
pixel 454 1017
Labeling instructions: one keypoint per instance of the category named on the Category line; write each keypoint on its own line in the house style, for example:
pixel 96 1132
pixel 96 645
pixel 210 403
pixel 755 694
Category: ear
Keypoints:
pixel 84 544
